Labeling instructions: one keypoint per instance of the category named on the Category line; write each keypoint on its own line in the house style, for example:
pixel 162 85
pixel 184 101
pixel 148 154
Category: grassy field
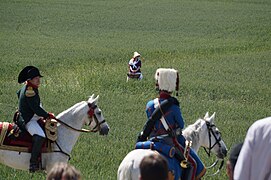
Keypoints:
pixel 222 49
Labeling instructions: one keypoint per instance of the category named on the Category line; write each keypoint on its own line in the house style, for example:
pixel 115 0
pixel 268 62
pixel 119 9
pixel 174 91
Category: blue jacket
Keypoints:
pixel 173 116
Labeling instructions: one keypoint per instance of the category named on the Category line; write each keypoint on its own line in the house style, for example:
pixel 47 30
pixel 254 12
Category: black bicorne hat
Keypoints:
pixel 29 72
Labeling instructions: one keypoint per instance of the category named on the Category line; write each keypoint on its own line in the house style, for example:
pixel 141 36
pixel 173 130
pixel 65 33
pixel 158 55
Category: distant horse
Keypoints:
pixel 70 123
pixel 203 133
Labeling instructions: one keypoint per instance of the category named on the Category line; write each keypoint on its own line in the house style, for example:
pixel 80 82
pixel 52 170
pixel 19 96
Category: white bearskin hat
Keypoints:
pixel 167 79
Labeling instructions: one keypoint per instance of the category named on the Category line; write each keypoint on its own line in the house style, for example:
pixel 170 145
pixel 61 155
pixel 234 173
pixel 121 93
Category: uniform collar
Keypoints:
pixel 31 85
pixel 164 95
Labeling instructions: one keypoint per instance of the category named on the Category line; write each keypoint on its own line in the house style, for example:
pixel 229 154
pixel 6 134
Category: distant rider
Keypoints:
pixel 31 111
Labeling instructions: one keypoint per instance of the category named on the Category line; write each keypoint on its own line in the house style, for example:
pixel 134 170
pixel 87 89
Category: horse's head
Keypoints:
pixel 212 140
pixel 95 119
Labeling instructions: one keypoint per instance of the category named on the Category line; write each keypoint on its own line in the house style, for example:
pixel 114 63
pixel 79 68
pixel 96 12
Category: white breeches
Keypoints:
pixel 33 127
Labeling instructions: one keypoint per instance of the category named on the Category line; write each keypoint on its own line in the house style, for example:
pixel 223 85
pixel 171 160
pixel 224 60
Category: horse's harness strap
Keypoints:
pixel 210 130
pixel 98 125
pixel 60 150
pixel 78 130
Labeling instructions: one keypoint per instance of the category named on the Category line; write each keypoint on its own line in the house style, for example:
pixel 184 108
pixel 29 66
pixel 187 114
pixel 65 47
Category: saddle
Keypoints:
pixel 22 142
pixel 165 149
pixel 169 152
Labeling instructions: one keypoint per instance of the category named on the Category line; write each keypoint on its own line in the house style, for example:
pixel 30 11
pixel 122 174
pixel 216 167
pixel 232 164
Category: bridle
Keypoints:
pixel 210 133
pixel 91 116
pixel 217 141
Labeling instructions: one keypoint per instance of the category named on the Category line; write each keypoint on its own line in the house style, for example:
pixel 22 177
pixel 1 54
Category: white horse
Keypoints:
pixel 73 119
pixel 203 133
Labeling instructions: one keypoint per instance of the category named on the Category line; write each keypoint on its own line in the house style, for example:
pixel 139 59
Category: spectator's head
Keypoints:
pixel 234 153
pixel 136 55
pixel 63 171
pixel 154 166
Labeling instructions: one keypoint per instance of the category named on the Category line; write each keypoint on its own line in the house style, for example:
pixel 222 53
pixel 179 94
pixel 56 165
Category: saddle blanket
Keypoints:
pixel 22 143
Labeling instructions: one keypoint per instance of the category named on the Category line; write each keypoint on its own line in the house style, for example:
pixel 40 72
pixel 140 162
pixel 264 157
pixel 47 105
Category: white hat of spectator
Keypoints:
pixel 136 54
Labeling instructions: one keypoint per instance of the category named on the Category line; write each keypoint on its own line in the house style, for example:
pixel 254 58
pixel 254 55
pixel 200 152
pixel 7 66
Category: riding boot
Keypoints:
pixel 37 142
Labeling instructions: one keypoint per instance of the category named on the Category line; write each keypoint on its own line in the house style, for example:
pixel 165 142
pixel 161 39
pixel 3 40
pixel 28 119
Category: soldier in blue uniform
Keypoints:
pixel 30 111
pixel 164 131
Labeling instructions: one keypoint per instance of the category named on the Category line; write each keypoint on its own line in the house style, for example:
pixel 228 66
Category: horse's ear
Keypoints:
pixel 93 100
pixel 96 99
pixel 91 97
pixel 212 118
pixel 206 116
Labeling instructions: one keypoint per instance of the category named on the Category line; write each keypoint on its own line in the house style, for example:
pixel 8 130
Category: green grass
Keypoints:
pixel 222 50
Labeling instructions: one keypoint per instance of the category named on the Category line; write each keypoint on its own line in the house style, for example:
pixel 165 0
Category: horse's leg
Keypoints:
pixel 49 159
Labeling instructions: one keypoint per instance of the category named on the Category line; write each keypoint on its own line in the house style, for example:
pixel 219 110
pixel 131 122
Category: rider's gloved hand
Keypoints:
pixel 51 116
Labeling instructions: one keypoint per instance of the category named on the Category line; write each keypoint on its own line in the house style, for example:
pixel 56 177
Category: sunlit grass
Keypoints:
pixel 222 50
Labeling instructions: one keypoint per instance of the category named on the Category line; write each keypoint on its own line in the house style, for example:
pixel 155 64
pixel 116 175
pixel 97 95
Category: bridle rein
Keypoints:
pixel 91 116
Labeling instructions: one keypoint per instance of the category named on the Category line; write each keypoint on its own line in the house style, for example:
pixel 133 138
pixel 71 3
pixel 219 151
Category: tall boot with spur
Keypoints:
pixel 37 142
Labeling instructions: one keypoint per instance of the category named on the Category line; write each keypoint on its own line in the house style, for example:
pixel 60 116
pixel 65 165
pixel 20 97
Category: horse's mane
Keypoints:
pixel 192 130
pixel 72 110
pixel 77 111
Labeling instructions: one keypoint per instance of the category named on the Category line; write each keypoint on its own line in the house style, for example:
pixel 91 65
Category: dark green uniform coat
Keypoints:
pixel 29 103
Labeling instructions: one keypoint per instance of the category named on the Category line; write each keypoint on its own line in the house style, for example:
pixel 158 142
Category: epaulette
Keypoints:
pixel 29 92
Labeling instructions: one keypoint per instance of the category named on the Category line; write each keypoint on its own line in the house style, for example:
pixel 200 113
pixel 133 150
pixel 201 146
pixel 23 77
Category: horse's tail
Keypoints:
pixel 125 170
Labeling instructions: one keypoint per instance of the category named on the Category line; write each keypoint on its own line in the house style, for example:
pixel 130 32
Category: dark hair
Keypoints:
pixel 235 151
pixel 63 171
pixel 154 167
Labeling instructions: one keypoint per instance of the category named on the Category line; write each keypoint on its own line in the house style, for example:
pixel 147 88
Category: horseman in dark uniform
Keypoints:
pixel 30 111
